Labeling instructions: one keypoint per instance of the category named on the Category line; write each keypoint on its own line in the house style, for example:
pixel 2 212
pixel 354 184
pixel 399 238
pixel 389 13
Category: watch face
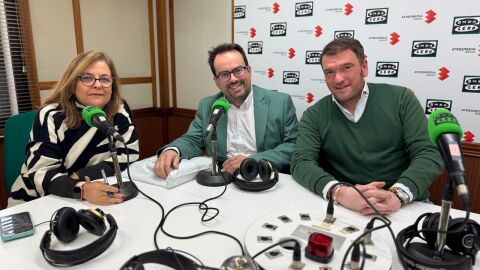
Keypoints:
pixel 77 193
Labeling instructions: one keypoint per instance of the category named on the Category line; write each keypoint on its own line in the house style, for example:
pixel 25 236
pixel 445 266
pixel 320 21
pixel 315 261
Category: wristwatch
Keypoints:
pixel 401 194
pixel 78 191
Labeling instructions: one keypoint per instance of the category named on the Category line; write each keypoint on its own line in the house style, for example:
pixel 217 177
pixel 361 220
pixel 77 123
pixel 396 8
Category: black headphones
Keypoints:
pixel 167 257
pixel 463 245
pixel 249 169
pixel 65 225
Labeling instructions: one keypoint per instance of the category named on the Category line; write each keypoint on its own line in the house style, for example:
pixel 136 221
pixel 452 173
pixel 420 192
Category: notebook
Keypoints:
pixel 188 169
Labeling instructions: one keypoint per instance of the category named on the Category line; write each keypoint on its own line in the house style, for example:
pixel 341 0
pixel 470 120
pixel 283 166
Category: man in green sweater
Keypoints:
pixel 370 135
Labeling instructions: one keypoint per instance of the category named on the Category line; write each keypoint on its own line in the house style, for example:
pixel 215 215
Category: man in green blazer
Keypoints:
pixel 260 123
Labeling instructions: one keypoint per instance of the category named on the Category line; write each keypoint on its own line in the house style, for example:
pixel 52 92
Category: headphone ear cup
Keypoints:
pixel 466 240
pixel 92 220
pixel 65 224
pixel 430 223
pixel 249 169
pixel 265 169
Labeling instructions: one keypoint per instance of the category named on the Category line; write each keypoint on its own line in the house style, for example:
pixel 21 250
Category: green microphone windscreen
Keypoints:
pixel 223 102
pixel 442 121
pixel 90 111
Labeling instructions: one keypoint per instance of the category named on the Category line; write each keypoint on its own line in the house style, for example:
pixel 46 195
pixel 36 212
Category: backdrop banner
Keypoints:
pixel 431 47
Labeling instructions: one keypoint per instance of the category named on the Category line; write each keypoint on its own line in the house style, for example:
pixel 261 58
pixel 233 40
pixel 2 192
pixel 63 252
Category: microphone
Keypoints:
pixel 219 108
pixel 96 117
pixel 445 132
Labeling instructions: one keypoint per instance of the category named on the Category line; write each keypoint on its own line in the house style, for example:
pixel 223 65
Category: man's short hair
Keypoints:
pixel 342 44
pixel 225 47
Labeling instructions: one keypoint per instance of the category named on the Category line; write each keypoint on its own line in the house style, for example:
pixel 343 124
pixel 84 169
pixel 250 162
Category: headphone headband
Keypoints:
pixel 80 255
pixel 167 257
pixel 249 169
pixel 417 255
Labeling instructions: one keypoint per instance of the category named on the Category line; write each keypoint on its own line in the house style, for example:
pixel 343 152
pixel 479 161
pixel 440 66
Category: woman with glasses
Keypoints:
pixel 65 155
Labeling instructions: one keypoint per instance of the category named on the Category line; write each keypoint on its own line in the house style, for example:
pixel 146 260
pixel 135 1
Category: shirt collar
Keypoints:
pixel 363 97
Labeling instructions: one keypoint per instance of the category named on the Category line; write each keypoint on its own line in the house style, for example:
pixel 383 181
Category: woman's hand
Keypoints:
pixel 101 193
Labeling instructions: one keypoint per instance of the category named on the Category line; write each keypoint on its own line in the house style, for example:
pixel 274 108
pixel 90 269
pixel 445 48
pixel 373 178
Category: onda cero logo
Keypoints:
pixel 387 69
pixel 433 104
pixel 239 12
pixel 471 84
pixel 376 16
pixel 278 29
pixel 466 25
pixel 255 47
pixel 344 34
pixel 291 77
pixel 424 48
pixel 313 57
pixel 303 9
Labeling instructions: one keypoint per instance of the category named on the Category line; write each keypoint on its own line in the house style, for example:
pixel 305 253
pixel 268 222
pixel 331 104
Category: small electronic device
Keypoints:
pixel 16 226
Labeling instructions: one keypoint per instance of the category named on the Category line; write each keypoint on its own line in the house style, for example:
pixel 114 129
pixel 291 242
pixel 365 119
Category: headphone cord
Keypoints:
pixel 381 217
pixel 203 207
pixel 147 196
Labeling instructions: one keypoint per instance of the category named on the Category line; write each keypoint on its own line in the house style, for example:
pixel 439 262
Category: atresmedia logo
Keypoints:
pixel 387 69
pixel 313 57
pixel 344 34
pixel 303 9
pixel 424 48
pixel 255 47
pixel 471 84
pixel 239 12
pixel 376 16
pixel 433 104
pixel 466 25
pixel 278 29
pixel 291 77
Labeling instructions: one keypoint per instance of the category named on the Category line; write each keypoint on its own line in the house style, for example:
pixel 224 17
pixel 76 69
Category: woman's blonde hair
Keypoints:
pixel 64 91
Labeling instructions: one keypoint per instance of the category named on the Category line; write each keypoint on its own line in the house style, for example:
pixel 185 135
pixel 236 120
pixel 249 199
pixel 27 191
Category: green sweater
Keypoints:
pixel 389 143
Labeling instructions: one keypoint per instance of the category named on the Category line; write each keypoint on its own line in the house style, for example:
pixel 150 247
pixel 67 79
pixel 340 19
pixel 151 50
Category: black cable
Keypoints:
pixel 144 194
pixel 205 208
pixel 274 245
pixel 41 223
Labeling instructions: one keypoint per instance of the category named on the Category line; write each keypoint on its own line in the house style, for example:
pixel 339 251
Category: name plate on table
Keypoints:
pixel 188 169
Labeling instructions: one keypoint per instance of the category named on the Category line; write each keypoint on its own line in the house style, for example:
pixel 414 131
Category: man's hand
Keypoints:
pixel 165 162
pixel 233 163
pixel 101 193
pixel 386 202
pixel 350 198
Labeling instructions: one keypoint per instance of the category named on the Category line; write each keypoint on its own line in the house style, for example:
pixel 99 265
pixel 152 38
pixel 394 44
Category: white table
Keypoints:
pixel 138 218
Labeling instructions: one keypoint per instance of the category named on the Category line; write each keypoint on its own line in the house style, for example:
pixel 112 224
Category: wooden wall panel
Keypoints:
pixel 150 124
pixel 178 122
pixel 471 154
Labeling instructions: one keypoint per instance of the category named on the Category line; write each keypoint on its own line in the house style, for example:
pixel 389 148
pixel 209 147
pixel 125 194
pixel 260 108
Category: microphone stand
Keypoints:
pixel 126 188
pixel 213 178
pixel 443 219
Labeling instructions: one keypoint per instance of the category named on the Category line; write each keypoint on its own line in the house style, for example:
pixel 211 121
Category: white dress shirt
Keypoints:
pixel 241 138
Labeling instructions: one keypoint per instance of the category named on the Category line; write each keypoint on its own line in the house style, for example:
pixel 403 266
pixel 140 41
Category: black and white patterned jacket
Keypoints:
pixel 54 152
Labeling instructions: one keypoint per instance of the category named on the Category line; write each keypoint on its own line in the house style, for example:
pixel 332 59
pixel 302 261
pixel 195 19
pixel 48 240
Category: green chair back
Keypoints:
pixel 16 136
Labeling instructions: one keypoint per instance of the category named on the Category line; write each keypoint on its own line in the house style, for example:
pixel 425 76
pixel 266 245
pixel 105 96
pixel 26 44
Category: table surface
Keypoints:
pixel 138 218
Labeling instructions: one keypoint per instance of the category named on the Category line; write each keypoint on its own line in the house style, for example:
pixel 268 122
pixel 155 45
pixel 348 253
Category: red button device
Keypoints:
pixel 319 247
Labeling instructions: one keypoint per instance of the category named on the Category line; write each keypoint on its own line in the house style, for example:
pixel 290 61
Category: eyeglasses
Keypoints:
pixel 89 80
pixel 225 76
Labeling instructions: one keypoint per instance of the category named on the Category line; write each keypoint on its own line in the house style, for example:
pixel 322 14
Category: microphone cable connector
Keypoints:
pixel 354 263
pixel 367 238
pixel 296 258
